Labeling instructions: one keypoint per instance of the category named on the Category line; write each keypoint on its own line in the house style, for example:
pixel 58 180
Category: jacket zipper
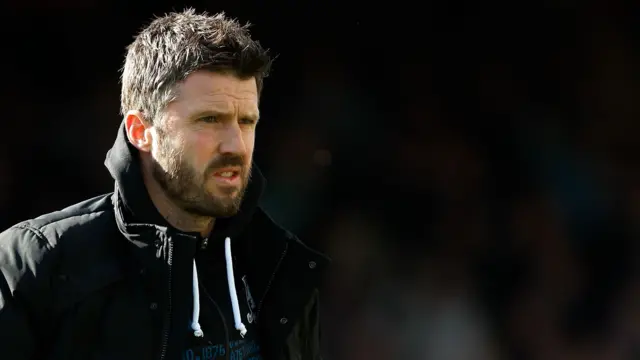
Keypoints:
pixel 167 318
pixel 227 343
pixel 273 275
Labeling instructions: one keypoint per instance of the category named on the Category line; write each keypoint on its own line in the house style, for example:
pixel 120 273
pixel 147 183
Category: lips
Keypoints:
pixel 227 176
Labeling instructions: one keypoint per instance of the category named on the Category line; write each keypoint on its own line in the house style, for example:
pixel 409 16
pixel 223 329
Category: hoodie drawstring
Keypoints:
pixel 195 324
pixel 232 288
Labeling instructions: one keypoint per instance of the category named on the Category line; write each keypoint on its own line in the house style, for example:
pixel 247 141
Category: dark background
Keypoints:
pixel 471 168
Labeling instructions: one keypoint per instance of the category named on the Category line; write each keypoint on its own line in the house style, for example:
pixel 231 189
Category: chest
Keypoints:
pixel 222 338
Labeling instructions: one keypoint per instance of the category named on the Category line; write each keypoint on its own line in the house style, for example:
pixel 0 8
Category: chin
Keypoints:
pixel 226 197
pixel 226 200
pixel 228 210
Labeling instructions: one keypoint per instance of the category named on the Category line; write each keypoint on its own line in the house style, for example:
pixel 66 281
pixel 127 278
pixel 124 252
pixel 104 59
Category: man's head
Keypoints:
pixel 190 90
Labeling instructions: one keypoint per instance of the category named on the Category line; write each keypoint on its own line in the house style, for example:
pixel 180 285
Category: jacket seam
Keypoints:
pixel 71 217
pixel 37 233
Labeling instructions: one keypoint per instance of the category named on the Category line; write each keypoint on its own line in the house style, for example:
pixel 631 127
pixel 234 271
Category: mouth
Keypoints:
pixel 227 176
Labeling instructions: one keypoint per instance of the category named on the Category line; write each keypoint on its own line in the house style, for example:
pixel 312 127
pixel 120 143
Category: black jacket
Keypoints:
pixel 93 281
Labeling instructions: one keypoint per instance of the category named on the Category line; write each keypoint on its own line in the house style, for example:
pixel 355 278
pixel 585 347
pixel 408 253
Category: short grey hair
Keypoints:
pixel 173 46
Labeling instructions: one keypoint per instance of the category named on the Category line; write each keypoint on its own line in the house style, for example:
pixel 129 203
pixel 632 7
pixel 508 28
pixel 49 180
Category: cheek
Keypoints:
pixel 249 143
pixel 201 150
pixel 167 153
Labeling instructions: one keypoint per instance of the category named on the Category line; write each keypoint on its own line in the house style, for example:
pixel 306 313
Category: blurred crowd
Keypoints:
pixel 477 188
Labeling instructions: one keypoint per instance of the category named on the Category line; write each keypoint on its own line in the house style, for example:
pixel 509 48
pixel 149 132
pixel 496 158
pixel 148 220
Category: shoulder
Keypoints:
pixel 276 232
pixel 73 218
pixel 32 240
pixel 38 255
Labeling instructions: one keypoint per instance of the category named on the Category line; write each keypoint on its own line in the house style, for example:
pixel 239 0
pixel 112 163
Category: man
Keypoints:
pixel 179 262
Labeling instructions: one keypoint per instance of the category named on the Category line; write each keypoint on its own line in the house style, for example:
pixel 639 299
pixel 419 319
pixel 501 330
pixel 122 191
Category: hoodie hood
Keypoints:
pixel 123 162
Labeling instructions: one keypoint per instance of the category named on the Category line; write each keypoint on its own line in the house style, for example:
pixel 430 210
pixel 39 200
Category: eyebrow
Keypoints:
pixel 254 115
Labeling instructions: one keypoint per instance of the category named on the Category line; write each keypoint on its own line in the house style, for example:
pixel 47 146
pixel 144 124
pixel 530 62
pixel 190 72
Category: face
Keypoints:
pixel 203 146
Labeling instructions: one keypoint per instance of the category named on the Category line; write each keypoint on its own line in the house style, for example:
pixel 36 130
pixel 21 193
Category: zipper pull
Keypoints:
pixel 204 243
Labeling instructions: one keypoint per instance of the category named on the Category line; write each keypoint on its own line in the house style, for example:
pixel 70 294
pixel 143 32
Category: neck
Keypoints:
pixel 176 216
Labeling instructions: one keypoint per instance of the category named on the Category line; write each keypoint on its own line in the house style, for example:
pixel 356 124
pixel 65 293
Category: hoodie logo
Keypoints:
pixel 250 303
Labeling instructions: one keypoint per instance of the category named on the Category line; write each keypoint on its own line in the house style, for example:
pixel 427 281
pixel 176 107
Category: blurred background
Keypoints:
pixel 471 168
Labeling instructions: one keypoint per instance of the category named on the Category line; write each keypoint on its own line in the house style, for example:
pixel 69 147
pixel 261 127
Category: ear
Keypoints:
pixel 139 130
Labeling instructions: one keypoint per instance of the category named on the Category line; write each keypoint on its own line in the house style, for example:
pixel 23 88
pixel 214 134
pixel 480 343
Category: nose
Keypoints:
pixel 232 141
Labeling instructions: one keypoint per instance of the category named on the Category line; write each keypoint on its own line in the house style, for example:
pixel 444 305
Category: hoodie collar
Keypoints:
pixel 138 211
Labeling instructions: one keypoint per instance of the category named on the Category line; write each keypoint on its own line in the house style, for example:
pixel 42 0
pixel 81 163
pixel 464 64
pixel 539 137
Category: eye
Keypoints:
pixel 209 119
pixel 247 121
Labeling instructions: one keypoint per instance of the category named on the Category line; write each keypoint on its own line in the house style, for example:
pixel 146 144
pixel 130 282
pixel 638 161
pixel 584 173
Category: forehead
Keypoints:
pixel 211 91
